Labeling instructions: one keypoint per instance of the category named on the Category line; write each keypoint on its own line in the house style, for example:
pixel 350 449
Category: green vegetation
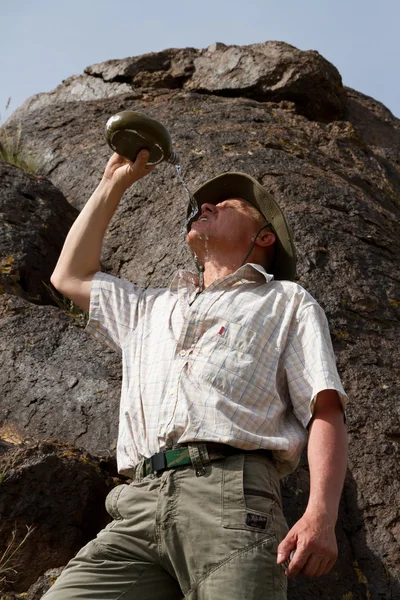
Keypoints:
pixel 67 306
pixel 14 150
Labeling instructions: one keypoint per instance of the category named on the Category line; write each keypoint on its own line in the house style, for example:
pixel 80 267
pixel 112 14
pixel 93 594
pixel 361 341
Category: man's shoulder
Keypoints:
pixel 294 299
pixel 292 291
pixel 118 284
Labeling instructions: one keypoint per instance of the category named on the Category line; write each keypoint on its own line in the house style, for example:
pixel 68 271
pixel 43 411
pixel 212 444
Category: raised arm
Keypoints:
pixel 80 256
pixel 313 538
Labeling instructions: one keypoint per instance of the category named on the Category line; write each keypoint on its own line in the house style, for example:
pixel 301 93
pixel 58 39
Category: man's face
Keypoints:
pixel 229 225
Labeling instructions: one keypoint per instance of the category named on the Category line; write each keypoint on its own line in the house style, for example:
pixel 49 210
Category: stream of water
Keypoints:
pixel 193 204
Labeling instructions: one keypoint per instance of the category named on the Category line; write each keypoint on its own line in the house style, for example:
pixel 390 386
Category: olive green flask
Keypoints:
pixel 128 132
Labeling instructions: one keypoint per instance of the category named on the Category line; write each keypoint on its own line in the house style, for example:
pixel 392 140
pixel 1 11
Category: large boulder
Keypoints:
pixel 272 71
pixel 35 219
pixel 51 503
pixel 339 184
pixel 56 381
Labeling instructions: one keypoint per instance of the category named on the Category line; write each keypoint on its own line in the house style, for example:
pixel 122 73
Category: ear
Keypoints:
pixel 265 238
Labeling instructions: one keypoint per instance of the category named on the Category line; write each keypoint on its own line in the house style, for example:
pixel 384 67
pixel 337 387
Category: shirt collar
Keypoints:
pixel 252 272
pixel 190 280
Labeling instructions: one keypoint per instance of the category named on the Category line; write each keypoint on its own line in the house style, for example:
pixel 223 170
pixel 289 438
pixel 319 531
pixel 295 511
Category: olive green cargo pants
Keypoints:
pixel 191 532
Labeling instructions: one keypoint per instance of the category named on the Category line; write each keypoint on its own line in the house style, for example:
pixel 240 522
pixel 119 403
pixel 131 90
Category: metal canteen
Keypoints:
pixel 128 132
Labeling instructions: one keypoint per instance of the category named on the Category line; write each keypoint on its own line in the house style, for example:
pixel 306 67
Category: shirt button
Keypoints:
pixel 183 352
pixel 171 392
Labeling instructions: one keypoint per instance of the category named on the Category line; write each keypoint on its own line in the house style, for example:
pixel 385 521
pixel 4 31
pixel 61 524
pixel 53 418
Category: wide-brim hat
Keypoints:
pixel 241 185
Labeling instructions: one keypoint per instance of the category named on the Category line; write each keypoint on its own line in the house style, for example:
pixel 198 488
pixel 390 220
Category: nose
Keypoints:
pixel 208 208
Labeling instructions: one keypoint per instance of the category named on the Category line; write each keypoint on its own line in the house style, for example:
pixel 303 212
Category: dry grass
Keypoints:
pixel 15 150
pixel 9 558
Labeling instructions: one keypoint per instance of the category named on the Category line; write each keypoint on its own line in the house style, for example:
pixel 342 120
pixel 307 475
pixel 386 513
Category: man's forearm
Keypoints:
pixel 327 456
pixel 312 539
pixel 80 256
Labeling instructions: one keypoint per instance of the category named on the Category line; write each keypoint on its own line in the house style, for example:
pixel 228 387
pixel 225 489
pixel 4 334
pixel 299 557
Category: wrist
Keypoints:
pixel 110 187
pixel 322 510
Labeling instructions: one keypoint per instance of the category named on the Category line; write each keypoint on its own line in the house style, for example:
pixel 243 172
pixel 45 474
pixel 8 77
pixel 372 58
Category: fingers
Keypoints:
pixel 296 565
pixel 317 566
pixel 309 564
pixel 287 545
pixel 138 169
pixel 139 166
pixel 324 568
pixel 314 566
pixel 328 567
pixel 123 172
pixel 142 158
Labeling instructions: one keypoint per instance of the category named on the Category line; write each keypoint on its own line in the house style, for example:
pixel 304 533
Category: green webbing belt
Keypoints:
pixel 166 460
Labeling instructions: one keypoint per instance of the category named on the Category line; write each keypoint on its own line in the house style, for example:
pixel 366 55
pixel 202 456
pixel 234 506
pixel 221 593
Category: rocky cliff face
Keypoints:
pixel 330 156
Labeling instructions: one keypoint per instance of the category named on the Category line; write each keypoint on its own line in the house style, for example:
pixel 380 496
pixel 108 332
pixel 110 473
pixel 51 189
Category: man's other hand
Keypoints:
pixel 313 541
pixel 123 173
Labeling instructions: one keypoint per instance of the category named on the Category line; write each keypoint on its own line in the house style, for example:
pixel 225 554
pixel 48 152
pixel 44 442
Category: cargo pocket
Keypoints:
pixel 112 500
pixel 248 502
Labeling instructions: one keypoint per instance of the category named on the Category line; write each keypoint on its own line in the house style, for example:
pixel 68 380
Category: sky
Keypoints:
pixel 43 42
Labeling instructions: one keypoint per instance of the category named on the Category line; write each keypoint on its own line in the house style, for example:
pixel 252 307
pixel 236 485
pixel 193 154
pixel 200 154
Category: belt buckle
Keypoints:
pixel 158 462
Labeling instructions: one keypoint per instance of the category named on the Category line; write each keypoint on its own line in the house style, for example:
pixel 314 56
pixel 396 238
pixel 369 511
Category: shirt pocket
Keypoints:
pixel 242 339
pixel 236 361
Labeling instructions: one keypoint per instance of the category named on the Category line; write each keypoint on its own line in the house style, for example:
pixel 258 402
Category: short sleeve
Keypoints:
pixel 113 310
pixel 309 362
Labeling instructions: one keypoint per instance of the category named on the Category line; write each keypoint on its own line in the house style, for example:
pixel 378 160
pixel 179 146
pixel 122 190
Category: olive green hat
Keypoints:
pixel 241 185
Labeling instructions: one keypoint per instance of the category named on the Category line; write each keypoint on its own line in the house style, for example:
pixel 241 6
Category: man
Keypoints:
pixel 224 379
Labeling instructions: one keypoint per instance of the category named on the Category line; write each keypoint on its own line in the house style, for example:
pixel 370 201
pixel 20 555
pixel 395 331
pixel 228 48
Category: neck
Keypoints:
pixel 214 272
pixel 218 267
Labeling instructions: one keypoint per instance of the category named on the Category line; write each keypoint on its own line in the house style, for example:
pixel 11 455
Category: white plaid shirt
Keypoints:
pixel 240 364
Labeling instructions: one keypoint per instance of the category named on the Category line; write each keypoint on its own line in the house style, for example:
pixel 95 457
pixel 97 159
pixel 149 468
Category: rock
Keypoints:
pixel 166 69
pixel 272 71
pixel 34 221
pixel 58 492
pixel 37 590
pixel 339 184
pixel 73 89
pixel 57 382
pixel 45 581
